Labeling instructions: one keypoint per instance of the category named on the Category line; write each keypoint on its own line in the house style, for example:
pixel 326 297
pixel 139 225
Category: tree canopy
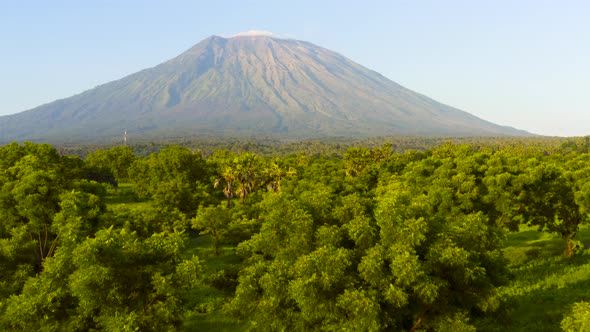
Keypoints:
pixel 365 239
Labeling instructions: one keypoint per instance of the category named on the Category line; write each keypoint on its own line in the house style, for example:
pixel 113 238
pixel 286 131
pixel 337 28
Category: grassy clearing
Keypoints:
pixel 206 303
pixel 543 286
pixel 124 195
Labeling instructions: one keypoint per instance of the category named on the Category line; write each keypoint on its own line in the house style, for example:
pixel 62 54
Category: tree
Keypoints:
pixel 541 191
pixel 240 176
pixel 549 202
pixel 412 267
pixel 31 184
pixel 286 233
pixel 114 281
pixel 579 319
pixel 214 221
pixel 44 204
pixel 249 168
pixel 117 160
pixel 437 265
pixel 356 160
pixel 229 176
pixel 173 178
pixel 275 173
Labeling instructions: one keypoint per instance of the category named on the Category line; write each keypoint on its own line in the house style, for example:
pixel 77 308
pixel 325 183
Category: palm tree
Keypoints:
pixel 229 176
pixel 275 173
pixel 248 166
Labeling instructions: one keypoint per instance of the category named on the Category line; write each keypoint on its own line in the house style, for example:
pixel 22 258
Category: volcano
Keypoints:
pixel 248 84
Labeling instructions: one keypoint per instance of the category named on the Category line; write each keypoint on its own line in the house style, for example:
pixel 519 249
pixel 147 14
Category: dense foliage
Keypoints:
pixel 367 240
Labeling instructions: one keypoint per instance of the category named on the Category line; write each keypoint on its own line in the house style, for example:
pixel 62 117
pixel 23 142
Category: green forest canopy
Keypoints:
pixel 364 240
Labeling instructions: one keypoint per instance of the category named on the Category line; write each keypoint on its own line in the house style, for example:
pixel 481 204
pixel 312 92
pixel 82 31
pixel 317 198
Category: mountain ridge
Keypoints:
pixel 245 85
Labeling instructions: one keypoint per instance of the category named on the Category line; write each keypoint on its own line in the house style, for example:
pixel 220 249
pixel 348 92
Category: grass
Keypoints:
pixel 206 302
pixel 124 195
pixel 544 284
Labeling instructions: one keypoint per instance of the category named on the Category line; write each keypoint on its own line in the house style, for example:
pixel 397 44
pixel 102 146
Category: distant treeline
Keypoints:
pixel 332 146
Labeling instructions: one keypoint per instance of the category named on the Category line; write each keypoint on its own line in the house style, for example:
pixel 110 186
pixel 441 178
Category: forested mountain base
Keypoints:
pixel 268 146
pixel 454 237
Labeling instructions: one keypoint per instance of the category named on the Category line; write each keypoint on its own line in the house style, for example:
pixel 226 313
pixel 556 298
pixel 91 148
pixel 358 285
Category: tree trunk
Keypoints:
pixel 38 262
pixel 216 245
pixel 420 319
pixel 569 248
pixel 230 195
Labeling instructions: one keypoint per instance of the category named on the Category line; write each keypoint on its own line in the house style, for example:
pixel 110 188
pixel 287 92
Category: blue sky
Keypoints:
pixel 520 63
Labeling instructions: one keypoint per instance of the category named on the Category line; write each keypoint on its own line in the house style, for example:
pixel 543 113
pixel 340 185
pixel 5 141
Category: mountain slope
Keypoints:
pixel 248 85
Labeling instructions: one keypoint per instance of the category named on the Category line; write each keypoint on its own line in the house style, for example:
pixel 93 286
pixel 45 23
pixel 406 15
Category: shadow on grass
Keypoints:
pixel 215 321
pixel 202 246
pixel 206 311
pixel 521 249
pixel 124 194
pixel 543 288
pixel 522 237
pixel 525 246
pixel 540 309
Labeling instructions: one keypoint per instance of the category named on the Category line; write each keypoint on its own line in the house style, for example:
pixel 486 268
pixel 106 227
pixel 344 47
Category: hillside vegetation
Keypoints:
pixel 455 237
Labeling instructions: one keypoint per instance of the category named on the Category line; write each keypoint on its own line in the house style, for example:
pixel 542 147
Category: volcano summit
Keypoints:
pixel 253 83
